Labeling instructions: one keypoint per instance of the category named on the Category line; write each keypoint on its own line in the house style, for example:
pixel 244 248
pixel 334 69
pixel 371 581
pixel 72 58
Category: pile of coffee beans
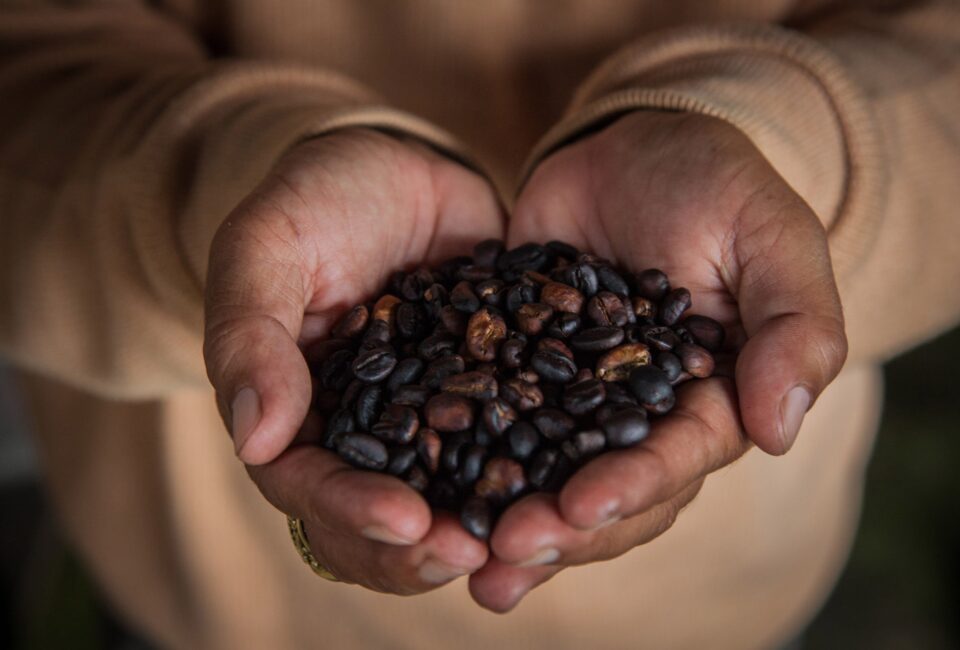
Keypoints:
pixel 499 374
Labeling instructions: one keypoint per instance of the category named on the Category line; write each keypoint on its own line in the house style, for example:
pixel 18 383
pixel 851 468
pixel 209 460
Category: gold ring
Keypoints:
pixel 299 537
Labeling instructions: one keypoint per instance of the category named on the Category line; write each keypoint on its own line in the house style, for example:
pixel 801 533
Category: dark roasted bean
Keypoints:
pixel 581 277
pixel 453 446
pixel 435 297
pixel 374 365
pixel 619 394
pixel 463 298
pixel 498 416
pixel 563 249
pixel 583 445
pixel 319 351
pixel 533 317
pixel 554 345
pixel 511 353
pixel 626 427
pixel 486 252
pixel 650 385
pixel 522 440
pixel 340 422
pixel 485 331
pixel 401 459
pixel 397 423
pixel 521 395
pixel 564 326
pixel 696 360
pixel 597 339
pixel 502 480
pixel 514 262
pixel 474 273
pixel 352 323
pixel 378 331
pixel 673 305
pixel 616 364
pixel 553 366
pixel 415 283
pixel 474 384
pixel 407 371
pixel 612 281
pixel 476 518
pixel 418 479
pixel 546 469
pixel 519 295
pixel 490 291
pixel 670 364
pixel 663 406
pixel 428 448
pixel 553 423
pixel 471 465
pixel 453 320
pixel 415 395
pixel 584 396
pixel 643 307
pixel 481 435
pixel 705 331
pixel 449 412
pixel 660 338
pixel 562 297
pixel 351 393
pixel 336 372
pixel 441 493
pixel 653 284
pixel 607 308
pixel 411 320
pixel 436 346
pixel 437 371
pixel 362 450
pixel 368 406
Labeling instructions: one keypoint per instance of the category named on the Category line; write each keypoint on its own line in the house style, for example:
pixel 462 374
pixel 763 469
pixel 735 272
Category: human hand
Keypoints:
pixel 691 195
pixel 326 227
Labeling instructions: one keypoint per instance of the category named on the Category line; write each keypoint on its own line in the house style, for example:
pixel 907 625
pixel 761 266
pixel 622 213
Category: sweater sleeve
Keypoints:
pixel 856 109
pixel 122 147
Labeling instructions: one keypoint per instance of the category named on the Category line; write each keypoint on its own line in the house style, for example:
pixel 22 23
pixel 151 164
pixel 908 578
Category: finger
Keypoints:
pixel 791 313
pixel 499 587
pixel 313 484
pixel 445 553
pixel 701 434
pixel 534 533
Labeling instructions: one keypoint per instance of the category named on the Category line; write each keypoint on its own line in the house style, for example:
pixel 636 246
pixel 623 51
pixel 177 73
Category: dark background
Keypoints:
pixel 901 588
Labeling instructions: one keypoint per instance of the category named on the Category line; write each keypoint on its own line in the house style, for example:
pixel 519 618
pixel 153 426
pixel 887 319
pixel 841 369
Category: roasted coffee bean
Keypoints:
pixel 351 393
pixel 616 364
pixel 414 284
pixel 583 374
pixel 664 406
pixel 653 284
pixel 670 364
pixel 418 479
pixel 490 291
pixel 336 372
pixel 626 427
pixel 650 386
pixel 522 440
pixel 471 465
pixel 612 281
pixel 436 346
pixel 442 493
pixel 339 423
pixel 583 445
pixel 553 424
pixel 683 334
pixel 352 323
pixel 597 339
pixel 397 423
pixel 428 449
pixel 705 331
pixel 511 353
pixel 481 435
pixel 564 326
pixel 362 450
pixel 319 351
pixel 415 395
pixel 533 317
pixel 553 366
pixel 696 360
pixel 547 469
pixel 395 282
pixel 486 252
pixel 606 308
pixel 485 331
pixel 476 518
pixel 581 277
pixel 384 309
pixel 502 480
pixel 498 416
pixel 474 273
pixel 368 406
pixel 521 395
pixel 463 298
pixel 514 262
pixel 437 371
pixel 454 445
pixel 407 371
pixel 528 375
pixel 377 332
pixel 519 295
pixel 619 394
pixel 660 338
pixel 374 365
pixel 435 297
pixel 643 307
pixel 562 297
pixel 474 384
pixel 449 412
pixel 411 320
pixel 401 459
pixel 554 345
pixel 563 249
pixel 584 396
pixel 673 305
pixel 453 320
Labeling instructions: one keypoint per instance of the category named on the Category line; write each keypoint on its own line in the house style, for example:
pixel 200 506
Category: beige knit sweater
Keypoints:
pixel 129 129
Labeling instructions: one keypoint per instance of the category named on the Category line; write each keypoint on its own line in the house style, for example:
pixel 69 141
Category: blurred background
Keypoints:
pixel 901 587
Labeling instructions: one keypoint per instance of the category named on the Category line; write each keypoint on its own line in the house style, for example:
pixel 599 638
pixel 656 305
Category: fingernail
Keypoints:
pixel 437 573
pixel 543 556
pixel 245 414
pixel 608 515
pixel 792 409
pixel 609 521
pixel 385 535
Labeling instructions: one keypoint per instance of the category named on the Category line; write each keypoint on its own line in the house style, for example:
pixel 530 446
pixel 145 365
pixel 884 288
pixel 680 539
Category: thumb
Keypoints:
pixel 792 316
pixel 254 310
